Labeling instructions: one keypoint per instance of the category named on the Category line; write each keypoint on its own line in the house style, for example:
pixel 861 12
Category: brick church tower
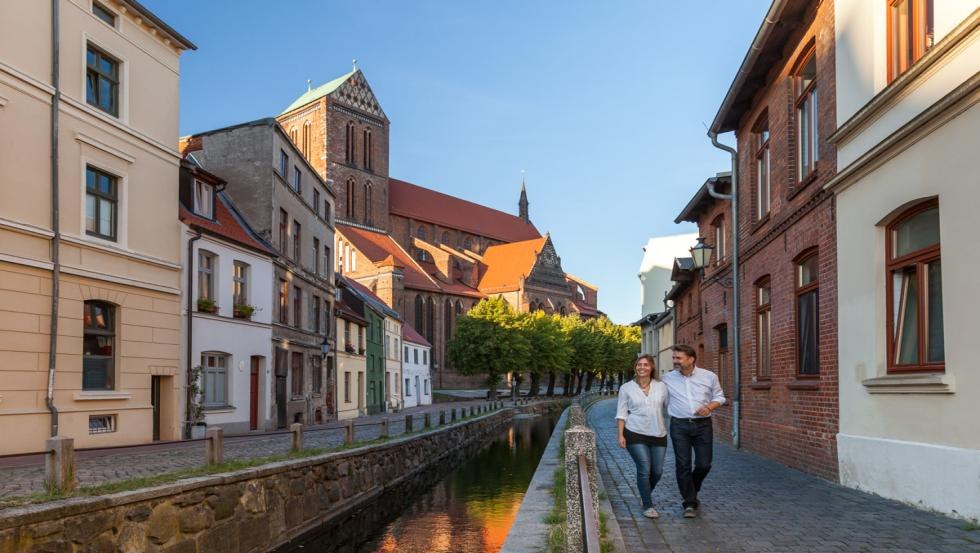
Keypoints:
pixel 343 132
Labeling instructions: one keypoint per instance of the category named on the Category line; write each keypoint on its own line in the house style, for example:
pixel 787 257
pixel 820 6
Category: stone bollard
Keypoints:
pixel 427 420
pixel 579 440
pixel 59 464
pixel 214 438
pixel 442 418
pixel 409 424
pixel 349 433
pixel 296 432
pixel 453 414
pixel 384 428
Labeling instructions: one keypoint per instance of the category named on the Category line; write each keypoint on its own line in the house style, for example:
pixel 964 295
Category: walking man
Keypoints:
pixel 693 393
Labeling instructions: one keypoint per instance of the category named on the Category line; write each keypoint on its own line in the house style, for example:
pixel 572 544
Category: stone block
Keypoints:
pixel 253 498
pixel 162 524
pixel 409 424
pixel 139 513
pixel 253 534
pixel 223 503
pixel 384 427
pixel 349 433
pixel 104 543
pixel 45 529
pixel 194 519
pixel 52 546
pixel 132 538
pixel 222 538
pixel 187 499
pixel 294 512
pixel 85 528
pixel 183 546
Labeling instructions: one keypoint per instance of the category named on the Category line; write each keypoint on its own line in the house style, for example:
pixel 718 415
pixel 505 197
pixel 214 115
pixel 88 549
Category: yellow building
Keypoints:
pixel 351 392
pixel 109 124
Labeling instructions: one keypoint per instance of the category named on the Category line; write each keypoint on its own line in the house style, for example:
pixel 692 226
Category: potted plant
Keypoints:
pixel 197 423
pixel 207 305
pixel 349 348
pixel 243 311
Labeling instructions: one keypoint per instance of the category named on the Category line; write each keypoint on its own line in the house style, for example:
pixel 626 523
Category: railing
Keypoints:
pixel 590 519
pixel 581 485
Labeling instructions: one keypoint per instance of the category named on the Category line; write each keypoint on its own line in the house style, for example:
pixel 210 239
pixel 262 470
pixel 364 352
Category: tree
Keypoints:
pixel 584 351
pixel 549 347
pixel 489 340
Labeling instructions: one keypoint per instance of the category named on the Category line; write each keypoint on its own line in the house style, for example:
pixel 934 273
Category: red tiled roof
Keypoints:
pixel 410 200
pixel 410 335
pixel 584 309
pixel 379 246
pixel 506 264
pixel 225 225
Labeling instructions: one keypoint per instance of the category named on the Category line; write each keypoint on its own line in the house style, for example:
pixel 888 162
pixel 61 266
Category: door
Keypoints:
pixel 155 402
pixel 280 402
pixel 253 395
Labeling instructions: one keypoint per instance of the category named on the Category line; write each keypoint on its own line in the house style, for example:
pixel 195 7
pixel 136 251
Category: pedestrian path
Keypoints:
pixel 25 474
pixel 751 504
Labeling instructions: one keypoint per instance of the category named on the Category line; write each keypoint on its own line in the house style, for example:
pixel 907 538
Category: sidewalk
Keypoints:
pixel 22 475
pixel 750 504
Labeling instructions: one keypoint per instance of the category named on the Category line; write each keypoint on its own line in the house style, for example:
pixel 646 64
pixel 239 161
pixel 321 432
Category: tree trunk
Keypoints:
pixel 492 390
pixel 566 389
pixel 581 380
pixel 551 383
pixel 588 384
pixel 535 382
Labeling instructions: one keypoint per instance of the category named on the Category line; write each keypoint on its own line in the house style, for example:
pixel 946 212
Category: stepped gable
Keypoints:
pixel 423 204
pixel 506 264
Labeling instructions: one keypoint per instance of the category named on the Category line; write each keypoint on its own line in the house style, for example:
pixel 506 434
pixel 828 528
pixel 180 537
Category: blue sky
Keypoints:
pixel 602 103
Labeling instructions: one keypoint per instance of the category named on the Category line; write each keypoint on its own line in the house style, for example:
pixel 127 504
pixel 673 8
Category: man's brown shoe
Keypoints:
pixel 690 512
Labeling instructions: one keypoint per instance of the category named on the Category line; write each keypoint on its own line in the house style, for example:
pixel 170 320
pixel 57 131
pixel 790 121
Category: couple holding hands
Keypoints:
pixel 688 394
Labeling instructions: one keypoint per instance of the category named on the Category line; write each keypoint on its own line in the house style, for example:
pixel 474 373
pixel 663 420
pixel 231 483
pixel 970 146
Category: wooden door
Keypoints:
pixel 155 402
pixel 253 395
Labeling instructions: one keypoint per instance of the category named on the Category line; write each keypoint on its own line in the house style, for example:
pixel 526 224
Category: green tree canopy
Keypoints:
pixel 490 340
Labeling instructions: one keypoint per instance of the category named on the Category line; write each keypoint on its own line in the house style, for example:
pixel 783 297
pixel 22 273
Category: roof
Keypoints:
pixel 572 278
pixel 411 336
pixel 372 299
pixel 345 311
pixel 318 92
pixel 585 309
pixel 227 224
pixel 415 202
pixel 703 199
pixel 781 21
pixel 682 265
pixel 507 264
pixel 159 24
pixel 379 246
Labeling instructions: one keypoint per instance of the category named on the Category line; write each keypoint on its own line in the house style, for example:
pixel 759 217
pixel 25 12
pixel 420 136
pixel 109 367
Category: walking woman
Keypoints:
pixel 640 421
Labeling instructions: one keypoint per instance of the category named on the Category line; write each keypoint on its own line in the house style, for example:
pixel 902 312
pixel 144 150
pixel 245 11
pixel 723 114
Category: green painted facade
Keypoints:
pixel 375 361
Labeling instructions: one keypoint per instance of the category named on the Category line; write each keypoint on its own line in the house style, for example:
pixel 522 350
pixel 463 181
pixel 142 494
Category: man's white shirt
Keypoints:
pixel 687 394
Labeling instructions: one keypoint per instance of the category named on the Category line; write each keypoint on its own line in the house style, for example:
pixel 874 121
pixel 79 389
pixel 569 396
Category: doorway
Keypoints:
pixel 155 403
pixel 281 372
pixel 253 393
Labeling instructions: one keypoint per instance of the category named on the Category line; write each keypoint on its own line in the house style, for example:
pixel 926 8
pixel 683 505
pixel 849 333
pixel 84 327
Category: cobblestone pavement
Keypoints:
pixel 25 474
pixel 751 504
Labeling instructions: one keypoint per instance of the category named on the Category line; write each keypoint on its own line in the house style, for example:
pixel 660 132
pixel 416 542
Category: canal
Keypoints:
pixel 468 510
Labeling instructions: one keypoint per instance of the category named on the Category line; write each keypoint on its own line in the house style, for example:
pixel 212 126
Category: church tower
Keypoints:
pixel 343 132
pixel 522 204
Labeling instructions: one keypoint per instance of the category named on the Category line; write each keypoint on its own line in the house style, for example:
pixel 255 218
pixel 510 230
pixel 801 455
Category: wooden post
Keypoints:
pixel 349 433
pixel 214 438
pixel 409 424
pixel 384 427
pixel 296 429
pixel 427 420
pixel 442 418
pixel 59 464
pixel 453 414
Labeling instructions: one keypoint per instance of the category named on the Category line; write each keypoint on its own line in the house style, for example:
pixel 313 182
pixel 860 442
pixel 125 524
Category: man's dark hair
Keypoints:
pixel 686 350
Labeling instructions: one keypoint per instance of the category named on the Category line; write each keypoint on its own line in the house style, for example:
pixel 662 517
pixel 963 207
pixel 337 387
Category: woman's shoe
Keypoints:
pixel 651 513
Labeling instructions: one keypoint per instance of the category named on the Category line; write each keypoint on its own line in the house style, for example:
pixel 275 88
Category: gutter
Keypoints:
pixel 55 211
pixel 190 334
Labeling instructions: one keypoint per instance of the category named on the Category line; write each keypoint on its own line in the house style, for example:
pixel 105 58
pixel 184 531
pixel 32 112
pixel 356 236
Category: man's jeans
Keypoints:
pixel 686 435
pixel 649 461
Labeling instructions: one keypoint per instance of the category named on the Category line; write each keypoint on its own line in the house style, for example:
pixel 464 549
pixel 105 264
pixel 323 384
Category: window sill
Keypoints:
pixel 761 385
pixel 802 185
pixel 102 396
pixel 219 409
pixel 804 385
pixel 919 383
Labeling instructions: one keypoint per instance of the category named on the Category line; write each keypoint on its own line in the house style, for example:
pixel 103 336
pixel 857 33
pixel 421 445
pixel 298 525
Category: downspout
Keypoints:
pixel 55 212
pixel 736 296
pixel 190 334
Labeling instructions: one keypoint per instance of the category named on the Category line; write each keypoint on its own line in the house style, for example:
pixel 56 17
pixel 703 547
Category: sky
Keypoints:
pixel 603 104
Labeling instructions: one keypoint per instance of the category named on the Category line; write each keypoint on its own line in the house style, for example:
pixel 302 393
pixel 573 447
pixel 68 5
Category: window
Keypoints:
pixel 297 370
pixel 763 293
pixel 283 163
pixel 203 199
pixel 99 346
pixel 297 242
pixel 419 319
pixel 327 212
pixel 240 287
pixel 421 233
pixel 327 261
pixel 416 350
pixel 214 387
pixel 283 301
pixel 316 203
pixel 297 180
pixel 349 143
pixel 408 388
pixel 425 357
pixel 396 348
pixel 910 33
pixel 205 275
pixel 104 13
pixel 346 387
pixel 101 201
pixel 915 293
pixel 316 367
pixel 762 167
pixel 350 199
pixel 102 81
pixel 808 320
pixel 360 340
pixel 720 240
pixel 427 386
pixel 468 244
pixel 306 139
pixel 367 204
pixel 805 85
pixel 406 352
pixel 283 230
pixel 445 237
pixel 364 146
pixel 348 346
pixel 101 424
pixel 447 321
pixel 316 313
pixel 297 306
pixel 316 255
pixel 293 135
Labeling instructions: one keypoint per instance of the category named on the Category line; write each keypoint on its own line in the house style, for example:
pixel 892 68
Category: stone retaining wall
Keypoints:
pixel 249 511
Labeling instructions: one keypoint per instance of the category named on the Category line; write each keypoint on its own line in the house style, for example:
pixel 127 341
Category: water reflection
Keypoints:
pixel 472 509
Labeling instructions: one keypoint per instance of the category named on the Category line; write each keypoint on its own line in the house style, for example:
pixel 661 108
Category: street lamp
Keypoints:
pixel 701 254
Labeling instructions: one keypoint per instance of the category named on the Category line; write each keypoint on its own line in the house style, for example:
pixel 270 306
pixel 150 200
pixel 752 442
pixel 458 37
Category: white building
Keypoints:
pixel 227 305
pixel 907 198
pixel 416 357
pixel 655 269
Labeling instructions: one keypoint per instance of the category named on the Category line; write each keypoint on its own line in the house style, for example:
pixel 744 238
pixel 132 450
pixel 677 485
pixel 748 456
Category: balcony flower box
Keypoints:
pixel 243 311
pixel 207 305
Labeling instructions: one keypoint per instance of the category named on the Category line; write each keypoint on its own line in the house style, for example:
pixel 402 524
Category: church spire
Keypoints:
pixel 523 203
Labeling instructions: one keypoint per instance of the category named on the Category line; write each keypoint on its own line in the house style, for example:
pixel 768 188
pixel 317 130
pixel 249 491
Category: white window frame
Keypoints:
pixel 226 379
pixel 207 210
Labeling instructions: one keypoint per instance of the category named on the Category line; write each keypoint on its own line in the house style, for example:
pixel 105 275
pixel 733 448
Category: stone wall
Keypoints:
pixel 252 510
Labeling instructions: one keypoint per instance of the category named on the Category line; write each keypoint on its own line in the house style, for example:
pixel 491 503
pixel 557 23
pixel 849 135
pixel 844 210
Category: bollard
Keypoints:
pixel 214 438
pixel 349 433
pixel 409 424
pixel 384 427
pixel 442 418
pixel 579 440
pixel 59 464
pixel 427 420
pixel 454 414
pixel 296 430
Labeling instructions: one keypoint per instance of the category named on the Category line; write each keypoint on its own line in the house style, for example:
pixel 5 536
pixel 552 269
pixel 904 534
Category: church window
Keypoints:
pixel 468 244
pixel 349 143
pixel 350 199
pixel 421 233
pixel 367 203
pixel 293 136
pixel 306 139
pixel 430 319
pixel 419 321
pixel 445 237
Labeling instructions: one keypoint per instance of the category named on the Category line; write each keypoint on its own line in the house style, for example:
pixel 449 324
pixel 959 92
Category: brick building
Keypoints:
pixel 781 107
pixel 428 255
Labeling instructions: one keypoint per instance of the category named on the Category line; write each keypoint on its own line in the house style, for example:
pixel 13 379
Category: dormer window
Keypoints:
pixel 203 199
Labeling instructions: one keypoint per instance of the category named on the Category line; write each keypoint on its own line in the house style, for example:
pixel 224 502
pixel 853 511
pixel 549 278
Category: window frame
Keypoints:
pixel 316 368
pixel 806 96
pixel 210 273
pixel 208 196
pixel 297 180
pixel 115 79
pixel 920 259
pixel 297 236
pixel 761 138
pixel 801 290
pixel 720 239
pixel 104 14
pixel 763 355
pixel 283 164
pixel 108 331
pixel 297 299
pixel 921 34
pixel 297 377
pixel 283 301
pixel 240 277
pixel 219 370
pixel 112 198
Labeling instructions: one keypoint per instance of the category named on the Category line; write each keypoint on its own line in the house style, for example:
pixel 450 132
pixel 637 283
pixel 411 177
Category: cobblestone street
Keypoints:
pixel 25 474
pixel 750 504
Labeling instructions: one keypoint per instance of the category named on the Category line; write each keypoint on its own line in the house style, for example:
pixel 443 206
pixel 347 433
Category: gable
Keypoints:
pixel 547 269
pixel 356 93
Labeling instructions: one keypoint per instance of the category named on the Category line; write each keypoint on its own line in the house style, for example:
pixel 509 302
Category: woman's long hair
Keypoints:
pixel 653 365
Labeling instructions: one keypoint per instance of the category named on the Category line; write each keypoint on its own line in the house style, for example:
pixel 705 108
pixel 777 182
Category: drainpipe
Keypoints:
pixel 55 212
pixel 190 334
pixel 736 296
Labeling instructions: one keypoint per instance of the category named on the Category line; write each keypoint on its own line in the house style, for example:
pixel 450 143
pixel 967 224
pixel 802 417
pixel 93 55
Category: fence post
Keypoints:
pixel 214 438
pixel 409 424
pixel 349 433
pixel 59 464
pixel 454 414
pixel 384 427
pixel 296 432
pixel 579 440
pixel 427 420
pixel 442 418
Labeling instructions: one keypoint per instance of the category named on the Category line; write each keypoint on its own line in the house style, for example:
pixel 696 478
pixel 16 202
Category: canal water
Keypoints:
pixel 469 510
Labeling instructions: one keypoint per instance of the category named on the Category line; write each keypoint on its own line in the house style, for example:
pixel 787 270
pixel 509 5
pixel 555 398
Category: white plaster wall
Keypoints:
pixel 410 370
pixel 393 363
pixel 658 260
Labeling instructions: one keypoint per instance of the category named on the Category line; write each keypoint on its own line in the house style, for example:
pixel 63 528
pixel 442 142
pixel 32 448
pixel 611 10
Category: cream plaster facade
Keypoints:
pixel 394 392
pixel 138 272
pixel 912 436
pixel 351 378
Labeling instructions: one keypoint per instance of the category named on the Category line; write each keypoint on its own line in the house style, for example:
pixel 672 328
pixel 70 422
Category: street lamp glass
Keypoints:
pixel 701 254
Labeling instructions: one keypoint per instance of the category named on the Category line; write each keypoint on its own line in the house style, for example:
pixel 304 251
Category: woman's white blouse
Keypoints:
pixel 644 414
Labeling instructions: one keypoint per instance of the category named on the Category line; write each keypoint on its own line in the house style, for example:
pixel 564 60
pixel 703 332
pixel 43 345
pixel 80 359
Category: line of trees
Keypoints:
pixel 493 339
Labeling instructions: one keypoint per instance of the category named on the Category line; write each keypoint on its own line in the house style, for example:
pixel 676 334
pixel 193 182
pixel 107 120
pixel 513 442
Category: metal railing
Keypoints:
pixel 581 485
pixel 590 519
